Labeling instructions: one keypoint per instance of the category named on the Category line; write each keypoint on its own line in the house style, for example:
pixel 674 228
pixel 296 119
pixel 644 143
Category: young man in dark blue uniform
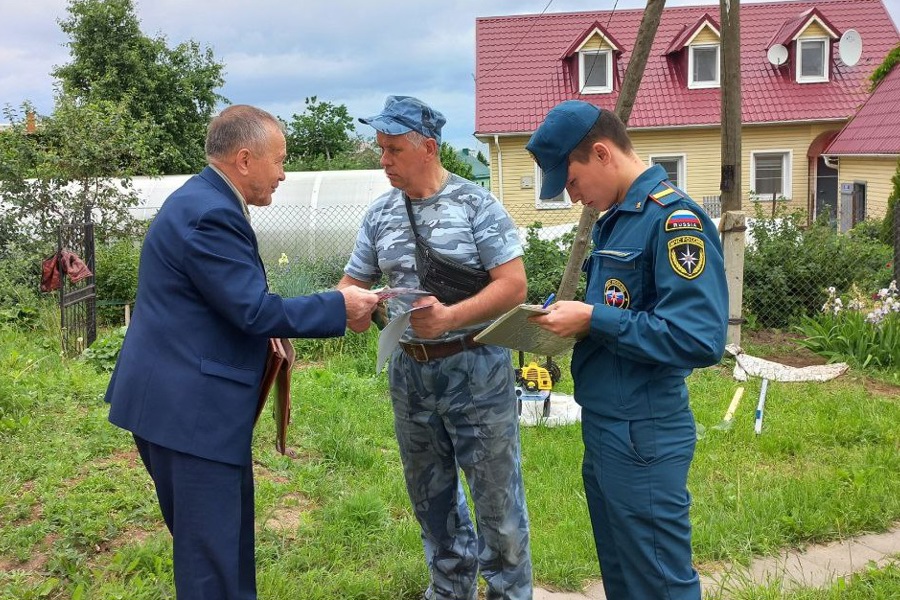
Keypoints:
pixel 655 308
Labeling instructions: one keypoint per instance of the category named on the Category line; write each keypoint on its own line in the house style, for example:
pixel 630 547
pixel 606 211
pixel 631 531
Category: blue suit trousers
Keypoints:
pixel 635 479
pixel 208 508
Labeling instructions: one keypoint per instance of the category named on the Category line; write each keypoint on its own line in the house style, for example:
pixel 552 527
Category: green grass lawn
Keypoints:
pixel 78 517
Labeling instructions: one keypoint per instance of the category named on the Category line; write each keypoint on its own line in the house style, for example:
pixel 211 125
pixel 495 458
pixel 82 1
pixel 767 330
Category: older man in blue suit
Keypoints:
pixel 188 377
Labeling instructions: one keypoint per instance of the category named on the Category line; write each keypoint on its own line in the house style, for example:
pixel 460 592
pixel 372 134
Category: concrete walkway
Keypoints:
pixel 817 566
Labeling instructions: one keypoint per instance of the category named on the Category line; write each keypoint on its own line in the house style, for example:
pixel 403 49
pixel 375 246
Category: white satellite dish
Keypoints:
pixel 777 55
pixel 850 47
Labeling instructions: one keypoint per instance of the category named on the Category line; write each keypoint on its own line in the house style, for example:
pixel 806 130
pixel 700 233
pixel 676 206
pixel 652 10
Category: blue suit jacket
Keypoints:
pixel 189 372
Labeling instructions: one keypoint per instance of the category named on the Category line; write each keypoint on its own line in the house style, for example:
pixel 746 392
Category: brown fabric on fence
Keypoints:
pixel 62 262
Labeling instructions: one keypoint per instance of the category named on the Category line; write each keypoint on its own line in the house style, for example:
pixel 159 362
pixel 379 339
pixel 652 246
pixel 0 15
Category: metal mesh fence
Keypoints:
pixel 790 264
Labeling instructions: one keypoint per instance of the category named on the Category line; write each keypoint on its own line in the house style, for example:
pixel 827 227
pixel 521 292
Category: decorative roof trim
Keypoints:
pixel 829 29
pixel 686 36
pixel 594 29
pixel 792 28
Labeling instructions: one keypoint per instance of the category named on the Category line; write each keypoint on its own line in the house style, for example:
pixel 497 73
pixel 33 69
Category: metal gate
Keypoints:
pixel 77 301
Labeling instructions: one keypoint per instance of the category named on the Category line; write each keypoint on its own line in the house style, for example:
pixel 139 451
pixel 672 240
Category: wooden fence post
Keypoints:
pixel 733 226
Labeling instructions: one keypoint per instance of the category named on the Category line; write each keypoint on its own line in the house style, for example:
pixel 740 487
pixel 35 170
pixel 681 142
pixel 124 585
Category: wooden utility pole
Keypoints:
pixel 730 64
pixel 733 222
pixel 630 85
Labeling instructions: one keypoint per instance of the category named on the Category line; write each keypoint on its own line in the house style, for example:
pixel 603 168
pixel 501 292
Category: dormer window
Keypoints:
pixel 700 42
pixel 595 70
pixel 703 66
pixel 592 54
pixel 811 35
pixel 812 57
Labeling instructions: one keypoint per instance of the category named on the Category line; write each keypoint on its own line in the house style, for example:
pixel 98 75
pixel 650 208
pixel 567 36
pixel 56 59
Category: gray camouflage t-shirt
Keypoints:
pixel 463 221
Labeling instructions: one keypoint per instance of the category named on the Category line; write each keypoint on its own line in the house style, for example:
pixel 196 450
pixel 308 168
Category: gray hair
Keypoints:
pixel 236 127
pixel 415 138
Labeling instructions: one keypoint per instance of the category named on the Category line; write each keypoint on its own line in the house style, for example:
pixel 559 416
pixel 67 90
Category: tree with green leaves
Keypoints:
pixel 77 163
pixel 172 90
pixel 322 130
pixel 453 163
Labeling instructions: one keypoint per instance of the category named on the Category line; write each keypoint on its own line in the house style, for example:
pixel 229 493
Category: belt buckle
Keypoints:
pixel 415 348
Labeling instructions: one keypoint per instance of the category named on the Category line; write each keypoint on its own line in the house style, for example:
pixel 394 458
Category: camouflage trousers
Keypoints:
pixel 458 413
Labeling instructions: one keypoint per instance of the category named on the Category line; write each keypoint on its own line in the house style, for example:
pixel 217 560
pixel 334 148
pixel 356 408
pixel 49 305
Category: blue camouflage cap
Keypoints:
pixel 563 128
pixel 402 114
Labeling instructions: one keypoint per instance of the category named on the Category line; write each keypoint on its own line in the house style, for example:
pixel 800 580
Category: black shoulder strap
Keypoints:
pixel 412 221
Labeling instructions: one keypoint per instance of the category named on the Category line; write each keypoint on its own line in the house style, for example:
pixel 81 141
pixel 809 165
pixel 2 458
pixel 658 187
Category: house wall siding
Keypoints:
pixel 876 173
pixel 702 147
pixel 519 201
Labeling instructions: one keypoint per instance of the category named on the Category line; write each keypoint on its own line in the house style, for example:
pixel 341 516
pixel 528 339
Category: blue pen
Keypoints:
pixel 548 300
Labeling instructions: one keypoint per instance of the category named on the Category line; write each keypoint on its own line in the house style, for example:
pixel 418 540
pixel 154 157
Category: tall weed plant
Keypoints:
pixel 789 264
pixel 864 331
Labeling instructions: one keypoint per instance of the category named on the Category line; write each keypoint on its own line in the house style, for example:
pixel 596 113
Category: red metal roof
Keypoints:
pixel 875 129
pixel 520 75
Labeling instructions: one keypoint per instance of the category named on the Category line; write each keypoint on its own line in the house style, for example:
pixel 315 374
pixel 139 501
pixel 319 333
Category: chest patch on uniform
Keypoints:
pixel 683 219
pixel 687 256
pixel 616 294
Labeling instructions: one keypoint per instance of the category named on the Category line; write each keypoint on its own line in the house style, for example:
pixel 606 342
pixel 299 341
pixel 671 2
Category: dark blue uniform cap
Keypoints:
pixel 562 130
pixel 402 114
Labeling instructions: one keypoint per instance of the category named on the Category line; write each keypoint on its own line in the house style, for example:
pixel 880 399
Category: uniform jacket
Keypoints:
pixel 189 372
pixel 656 279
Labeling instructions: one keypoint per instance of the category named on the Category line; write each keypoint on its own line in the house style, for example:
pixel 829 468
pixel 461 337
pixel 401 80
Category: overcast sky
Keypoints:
pixel 278 52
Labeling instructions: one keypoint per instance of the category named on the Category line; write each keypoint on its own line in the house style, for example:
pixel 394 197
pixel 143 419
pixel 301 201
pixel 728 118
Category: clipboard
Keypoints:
pixel 279 364
pixel 514 330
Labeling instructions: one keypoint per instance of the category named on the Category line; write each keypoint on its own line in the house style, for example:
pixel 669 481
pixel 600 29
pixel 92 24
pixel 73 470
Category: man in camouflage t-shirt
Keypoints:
pixel 454 399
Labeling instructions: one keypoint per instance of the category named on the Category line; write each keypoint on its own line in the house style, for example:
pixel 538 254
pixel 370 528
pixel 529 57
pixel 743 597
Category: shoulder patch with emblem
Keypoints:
pixel 683 219
pixel 616 294
pixel 687 256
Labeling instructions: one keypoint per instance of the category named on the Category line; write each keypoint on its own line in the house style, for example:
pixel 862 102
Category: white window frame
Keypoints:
pixel 694 85
pixel 582 72
pixel 787 163
pixel 561 201
pixel 826 60
pixel 682 166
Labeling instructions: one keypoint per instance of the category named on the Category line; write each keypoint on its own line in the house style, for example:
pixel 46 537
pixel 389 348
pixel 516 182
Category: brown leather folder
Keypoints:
pixel 279 364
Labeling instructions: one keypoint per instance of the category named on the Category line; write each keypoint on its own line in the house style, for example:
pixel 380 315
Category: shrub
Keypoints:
pixel 116 278
pixel 545 263
pixel 864 331
pixel 19 299
pixel 789 264
pixel 887 225
pixel 104 352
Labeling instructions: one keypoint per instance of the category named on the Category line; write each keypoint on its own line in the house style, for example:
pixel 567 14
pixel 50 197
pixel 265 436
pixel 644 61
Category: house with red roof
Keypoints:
pixel 799 89
pixel 867 151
